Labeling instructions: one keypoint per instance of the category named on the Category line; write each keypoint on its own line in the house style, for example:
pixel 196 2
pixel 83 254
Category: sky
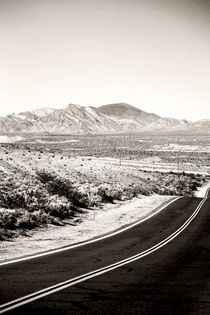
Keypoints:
pixel 153 54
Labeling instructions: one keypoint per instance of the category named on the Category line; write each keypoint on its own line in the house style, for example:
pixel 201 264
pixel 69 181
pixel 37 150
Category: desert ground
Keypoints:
pixel 51 186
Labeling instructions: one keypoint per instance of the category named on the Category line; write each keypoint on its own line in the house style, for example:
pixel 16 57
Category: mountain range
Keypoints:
pixel 112 118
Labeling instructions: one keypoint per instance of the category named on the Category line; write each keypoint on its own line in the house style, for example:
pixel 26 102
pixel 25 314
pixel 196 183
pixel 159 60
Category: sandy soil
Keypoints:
pixel 94 223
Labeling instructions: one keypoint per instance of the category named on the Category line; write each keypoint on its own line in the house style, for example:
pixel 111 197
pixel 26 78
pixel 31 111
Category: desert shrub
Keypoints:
pixel 59 207
pixel 63 187
pixel 36 199
pixel 178 184
pixel 9 197
pixel 45 177
pixel 26 194
pixel 91 191
pixel 109 193
pixel 32 195
pixel 8 219
pixel 193 185
pixel 6 234
pixel 24 220
pixel 11 200
pixel 29 220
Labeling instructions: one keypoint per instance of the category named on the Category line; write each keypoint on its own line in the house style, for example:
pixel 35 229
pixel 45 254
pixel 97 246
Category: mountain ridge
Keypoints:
pixel 110 118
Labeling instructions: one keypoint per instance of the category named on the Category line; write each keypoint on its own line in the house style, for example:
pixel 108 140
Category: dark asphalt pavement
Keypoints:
pixel 173 280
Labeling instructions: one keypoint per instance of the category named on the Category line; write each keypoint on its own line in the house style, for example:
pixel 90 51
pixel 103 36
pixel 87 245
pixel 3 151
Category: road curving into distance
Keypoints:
pixel 159 266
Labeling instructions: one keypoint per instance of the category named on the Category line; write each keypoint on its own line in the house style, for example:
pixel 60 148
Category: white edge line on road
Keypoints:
pixel 63 285
pixel 206 194
pixel 54 251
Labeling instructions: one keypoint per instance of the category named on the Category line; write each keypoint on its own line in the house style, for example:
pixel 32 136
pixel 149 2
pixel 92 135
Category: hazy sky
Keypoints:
pixel 154 54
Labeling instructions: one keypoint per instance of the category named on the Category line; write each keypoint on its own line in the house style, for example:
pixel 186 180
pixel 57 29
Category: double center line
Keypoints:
pixel 63 285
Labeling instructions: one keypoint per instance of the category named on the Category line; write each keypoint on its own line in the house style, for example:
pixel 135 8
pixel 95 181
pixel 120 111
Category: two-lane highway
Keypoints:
pixel 157 266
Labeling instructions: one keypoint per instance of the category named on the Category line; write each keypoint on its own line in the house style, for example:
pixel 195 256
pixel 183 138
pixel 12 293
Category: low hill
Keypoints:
pixel 136 119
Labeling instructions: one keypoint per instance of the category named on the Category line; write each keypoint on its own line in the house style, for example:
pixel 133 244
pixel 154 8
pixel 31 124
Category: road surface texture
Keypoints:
pixel 170 278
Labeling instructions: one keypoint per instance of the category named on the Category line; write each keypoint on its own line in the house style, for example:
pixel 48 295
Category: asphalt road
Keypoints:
pixel 172 279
